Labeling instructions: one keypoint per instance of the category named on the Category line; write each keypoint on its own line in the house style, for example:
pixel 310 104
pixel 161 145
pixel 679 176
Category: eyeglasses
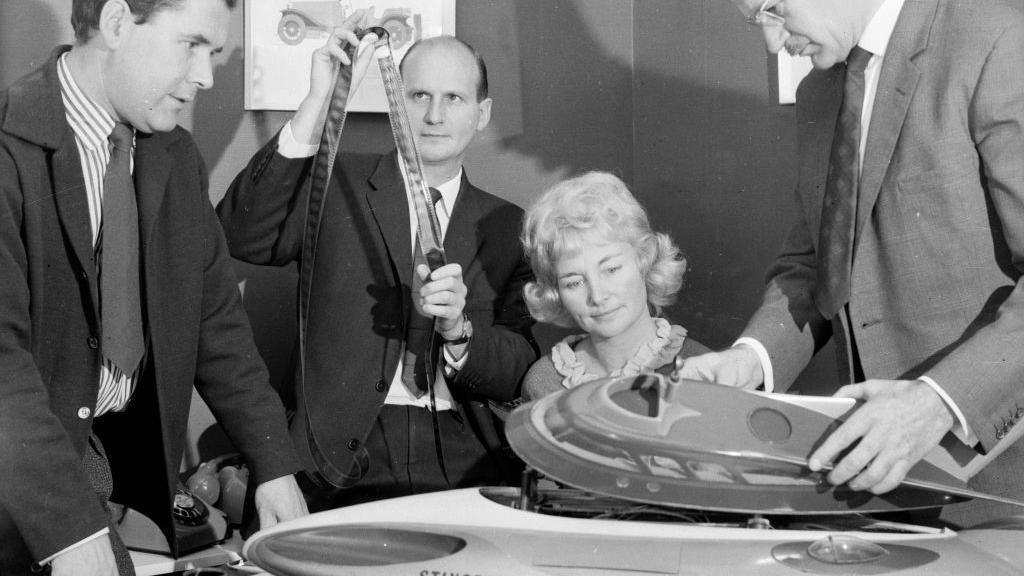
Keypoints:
pixel 764 15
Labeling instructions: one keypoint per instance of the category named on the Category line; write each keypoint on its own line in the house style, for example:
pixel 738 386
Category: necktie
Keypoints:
pixel 839 209
pixel 420 327
pixel 121 310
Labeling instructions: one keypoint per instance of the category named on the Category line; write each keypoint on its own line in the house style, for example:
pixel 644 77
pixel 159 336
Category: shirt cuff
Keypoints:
pixel 451 365
pixel 289 148
pixel 81 542
pixel 960 429
pixel 762 357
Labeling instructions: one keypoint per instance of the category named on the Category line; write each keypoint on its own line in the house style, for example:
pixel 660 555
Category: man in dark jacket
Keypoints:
pixel 362 416
pixel 117 293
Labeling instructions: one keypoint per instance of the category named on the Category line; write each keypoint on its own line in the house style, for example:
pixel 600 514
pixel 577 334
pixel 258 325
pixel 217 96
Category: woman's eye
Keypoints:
pixel 572 284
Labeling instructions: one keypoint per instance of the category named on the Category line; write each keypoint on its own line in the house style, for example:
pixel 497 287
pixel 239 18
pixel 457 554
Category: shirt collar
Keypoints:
pixel 450 191
pixel 91 124
pixel 879 30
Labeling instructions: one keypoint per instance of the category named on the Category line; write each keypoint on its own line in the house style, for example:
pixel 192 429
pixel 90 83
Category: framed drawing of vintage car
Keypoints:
pixel 281 35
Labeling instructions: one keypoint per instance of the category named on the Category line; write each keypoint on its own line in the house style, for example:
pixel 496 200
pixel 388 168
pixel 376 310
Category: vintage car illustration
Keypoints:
pixel 315 19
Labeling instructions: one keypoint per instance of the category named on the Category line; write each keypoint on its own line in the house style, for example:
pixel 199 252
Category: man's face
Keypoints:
pixel 440 95
pixel 158 67
pixel 824 30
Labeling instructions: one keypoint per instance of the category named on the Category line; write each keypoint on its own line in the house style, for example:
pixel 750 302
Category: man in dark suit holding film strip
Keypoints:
pixel 363 418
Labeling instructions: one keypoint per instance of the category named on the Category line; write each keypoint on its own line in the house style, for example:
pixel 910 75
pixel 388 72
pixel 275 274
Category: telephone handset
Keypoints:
pixel 196 525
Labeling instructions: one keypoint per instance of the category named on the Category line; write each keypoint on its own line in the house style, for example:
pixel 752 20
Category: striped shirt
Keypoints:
pixel 92 126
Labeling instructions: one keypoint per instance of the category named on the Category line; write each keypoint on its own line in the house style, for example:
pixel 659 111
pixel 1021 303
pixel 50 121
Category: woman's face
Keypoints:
pixel 602 288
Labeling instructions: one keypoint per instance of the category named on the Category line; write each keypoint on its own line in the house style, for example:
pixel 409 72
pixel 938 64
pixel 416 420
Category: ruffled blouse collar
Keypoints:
pixel 668 338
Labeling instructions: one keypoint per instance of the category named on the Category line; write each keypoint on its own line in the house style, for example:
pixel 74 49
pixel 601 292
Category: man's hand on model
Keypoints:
pixel 279 500
pixel 738 367
pixel 898 424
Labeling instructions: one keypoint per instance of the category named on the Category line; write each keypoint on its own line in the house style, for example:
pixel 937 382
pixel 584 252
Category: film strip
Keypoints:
pixel 430 238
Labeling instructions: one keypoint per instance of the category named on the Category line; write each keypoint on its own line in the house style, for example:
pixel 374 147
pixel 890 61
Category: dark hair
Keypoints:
pixel 85 14
pixel 481 67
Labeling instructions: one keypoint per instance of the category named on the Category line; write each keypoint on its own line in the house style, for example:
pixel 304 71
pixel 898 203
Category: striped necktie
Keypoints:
pixel 839 208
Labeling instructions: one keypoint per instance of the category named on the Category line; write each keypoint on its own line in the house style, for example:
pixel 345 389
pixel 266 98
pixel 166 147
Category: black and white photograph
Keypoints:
pixel 511 287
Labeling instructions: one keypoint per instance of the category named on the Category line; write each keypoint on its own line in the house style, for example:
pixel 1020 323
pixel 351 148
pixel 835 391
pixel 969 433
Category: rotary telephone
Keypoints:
pixel 196 526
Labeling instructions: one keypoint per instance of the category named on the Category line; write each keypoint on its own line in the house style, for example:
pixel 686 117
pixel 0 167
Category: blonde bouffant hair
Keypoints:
pixel 593 207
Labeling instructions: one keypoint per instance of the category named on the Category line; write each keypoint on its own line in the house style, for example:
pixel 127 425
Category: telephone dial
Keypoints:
pixel 196 525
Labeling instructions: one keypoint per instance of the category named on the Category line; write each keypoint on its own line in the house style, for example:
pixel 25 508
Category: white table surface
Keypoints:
pixel 225 556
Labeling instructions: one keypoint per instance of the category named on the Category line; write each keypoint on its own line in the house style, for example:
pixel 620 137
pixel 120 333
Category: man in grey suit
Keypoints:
pixel 909 240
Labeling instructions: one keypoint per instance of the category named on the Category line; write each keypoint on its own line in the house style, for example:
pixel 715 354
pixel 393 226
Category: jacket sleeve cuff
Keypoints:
pixel 81 542
pixel 288 147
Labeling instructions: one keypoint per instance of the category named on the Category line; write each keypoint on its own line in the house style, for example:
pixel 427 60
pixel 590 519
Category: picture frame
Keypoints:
pixel 281 35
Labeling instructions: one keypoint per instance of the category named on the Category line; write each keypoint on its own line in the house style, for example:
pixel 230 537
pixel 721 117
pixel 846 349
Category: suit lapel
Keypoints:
pixel 73 208
pixel 896 84
pixel 390 209
pixel 36 114
pixel 460 240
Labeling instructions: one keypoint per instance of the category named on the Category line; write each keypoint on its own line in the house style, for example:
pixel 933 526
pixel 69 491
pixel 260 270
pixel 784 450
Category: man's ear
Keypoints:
pixel 485 114
pixel 115 20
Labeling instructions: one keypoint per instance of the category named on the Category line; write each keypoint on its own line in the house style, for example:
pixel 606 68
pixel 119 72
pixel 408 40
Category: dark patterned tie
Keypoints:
pixel 839 209
pixel 121 310
pixel 420 327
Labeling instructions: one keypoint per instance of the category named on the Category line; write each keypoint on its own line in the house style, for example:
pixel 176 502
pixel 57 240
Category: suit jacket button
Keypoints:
pixel 84 412
pixel 93 342
pixel 380 385
pixel 353 444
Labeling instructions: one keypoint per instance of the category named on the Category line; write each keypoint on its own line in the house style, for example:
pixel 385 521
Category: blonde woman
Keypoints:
pixel 600 268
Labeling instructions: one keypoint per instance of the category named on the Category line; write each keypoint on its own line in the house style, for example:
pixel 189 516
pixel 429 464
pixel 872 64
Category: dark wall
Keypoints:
pixel 29 29
pixel 715 159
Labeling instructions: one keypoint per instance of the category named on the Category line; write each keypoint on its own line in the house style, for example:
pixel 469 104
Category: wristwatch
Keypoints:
pixel 467 332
